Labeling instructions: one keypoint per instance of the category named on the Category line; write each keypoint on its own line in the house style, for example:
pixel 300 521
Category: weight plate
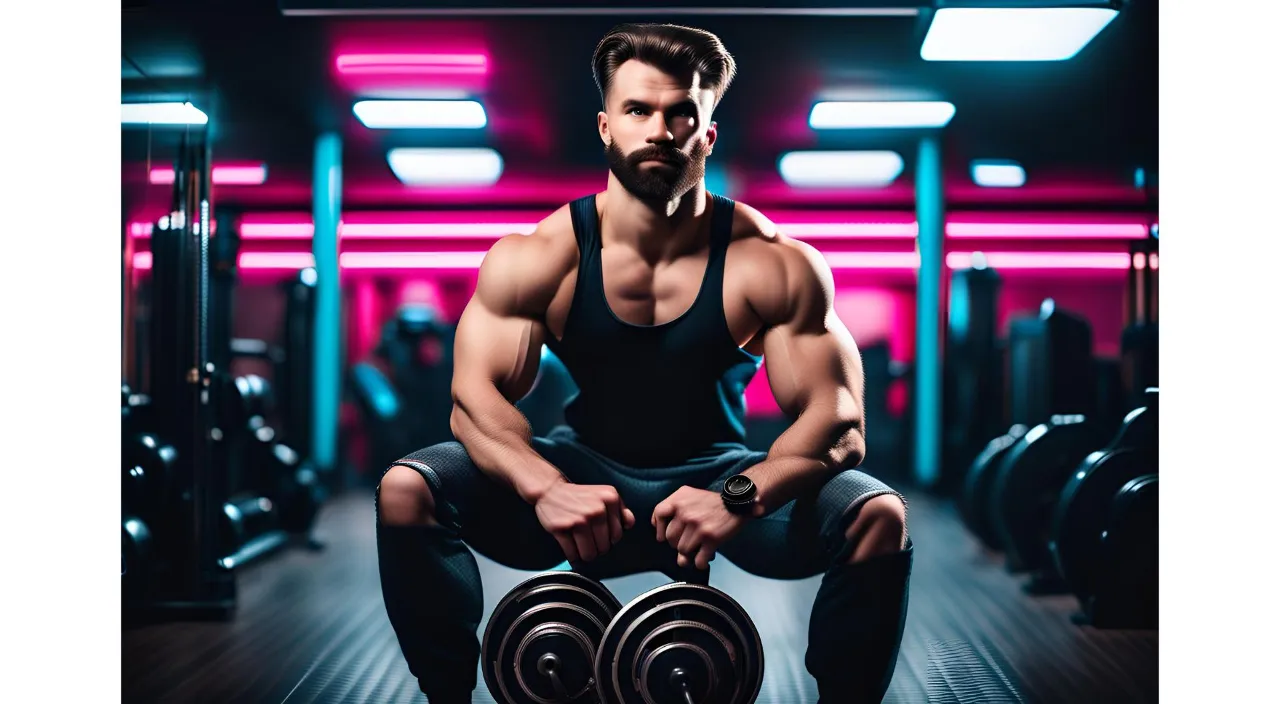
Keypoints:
pixel 540 643
pixel 975 501
pixel 676 638
pixel 1081 514
pixel 1029 483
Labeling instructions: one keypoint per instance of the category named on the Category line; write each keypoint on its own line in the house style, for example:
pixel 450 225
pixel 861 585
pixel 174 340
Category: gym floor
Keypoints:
pixel 311 627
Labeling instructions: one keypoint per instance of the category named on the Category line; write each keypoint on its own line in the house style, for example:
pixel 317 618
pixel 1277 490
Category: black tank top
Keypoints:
pixel 653 395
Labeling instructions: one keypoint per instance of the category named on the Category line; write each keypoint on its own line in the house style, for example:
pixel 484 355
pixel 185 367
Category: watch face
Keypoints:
pixel 737 485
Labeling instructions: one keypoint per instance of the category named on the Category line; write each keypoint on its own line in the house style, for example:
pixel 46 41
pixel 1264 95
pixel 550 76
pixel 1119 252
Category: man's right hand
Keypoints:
pixel 586 519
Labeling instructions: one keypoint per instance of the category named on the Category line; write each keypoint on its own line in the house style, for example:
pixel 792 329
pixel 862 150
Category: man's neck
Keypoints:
pixel 658 231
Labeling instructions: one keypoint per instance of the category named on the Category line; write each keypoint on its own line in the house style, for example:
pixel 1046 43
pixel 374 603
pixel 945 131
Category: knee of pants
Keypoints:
pixel 879 527
pixel 405 493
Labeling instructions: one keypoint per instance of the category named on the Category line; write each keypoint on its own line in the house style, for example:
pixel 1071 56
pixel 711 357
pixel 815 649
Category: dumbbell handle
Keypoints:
pixel 548 665
pixel 681 680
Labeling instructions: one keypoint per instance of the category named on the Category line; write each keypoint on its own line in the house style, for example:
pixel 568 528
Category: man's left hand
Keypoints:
pixel 696 523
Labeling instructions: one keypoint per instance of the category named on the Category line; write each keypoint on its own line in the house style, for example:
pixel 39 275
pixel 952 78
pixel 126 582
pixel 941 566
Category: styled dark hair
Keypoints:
pixel 673 49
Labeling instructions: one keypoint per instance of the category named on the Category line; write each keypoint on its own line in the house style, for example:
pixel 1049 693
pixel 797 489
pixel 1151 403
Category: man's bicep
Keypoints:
pixel 810 356
pixel 497 341
pixel 814 367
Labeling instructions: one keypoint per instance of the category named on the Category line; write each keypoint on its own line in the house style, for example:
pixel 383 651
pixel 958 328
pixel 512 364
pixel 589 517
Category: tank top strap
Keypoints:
pixel 586 227
pixel 721 236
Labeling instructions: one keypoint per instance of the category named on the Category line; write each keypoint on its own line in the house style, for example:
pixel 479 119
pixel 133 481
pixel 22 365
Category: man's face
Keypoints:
pixel 657 131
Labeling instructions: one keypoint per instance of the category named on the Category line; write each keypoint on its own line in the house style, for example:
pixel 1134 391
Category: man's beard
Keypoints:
pixel 657 184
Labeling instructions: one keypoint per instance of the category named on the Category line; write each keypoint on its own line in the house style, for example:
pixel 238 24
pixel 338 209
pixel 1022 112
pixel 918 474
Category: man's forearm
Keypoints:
pixel 817 445
pixel 499 440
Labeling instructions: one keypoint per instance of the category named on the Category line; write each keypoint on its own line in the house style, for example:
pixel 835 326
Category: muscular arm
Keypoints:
pixel 496 354
pixel 816 376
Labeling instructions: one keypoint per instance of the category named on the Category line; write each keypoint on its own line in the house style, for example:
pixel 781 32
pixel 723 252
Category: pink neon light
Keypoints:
pixel 276 230
pixel 822 230
pixel 222 175
pixel 276 260
pixel 250 260
pixel 140 229
pixel 1043 260
pixel 1139 260
pixel 410 260
pixel 872 260
pixel 401 64
pixel 1155 261
pixel 905 261
pixel 1062 230
pixel 435 229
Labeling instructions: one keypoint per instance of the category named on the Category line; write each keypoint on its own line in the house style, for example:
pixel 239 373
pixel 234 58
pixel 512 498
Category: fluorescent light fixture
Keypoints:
pixel 1012 33
pixel 395 230
pixel 872 260
pixel 868 114
pixel 410 260
pixel 286 261
pixel 277 230
pixel 445 167
pixel 997 173
pixel 817 169
pixel 1045 230
pixel 138 114
pixel 1044 260
pixel 804 226
pixel 222 175
pixel 420 114
pixel 846 260
pixel 412 64
pixel 843 230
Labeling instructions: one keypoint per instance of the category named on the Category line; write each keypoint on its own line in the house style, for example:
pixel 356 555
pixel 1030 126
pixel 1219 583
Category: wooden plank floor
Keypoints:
pixel 311 627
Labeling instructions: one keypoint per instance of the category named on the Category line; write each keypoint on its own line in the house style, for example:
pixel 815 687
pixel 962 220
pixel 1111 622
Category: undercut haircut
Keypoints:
pixel 673 49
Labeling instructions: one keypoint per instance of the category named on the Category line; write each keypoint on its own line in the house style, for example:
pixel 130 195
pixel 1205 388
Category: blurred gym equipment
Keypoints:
pixel 403 392
pixel 972 375
pixel 1084 506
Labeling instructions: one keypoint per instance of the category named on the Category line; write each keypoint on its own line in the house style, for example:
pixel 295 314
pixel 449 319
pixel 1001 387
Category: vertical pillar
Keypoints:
pixel 931 217
pixel 326 349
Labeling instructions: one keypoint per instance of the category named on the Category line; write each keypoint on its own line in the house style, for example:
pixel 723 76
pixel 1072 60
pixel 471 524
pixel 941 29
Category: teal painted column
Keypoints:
pixel 326 193
pixel 931 217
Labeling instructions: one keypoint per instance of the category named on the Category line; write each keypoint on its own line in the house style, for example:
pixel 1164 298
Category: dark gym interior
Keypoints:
pixel 294 265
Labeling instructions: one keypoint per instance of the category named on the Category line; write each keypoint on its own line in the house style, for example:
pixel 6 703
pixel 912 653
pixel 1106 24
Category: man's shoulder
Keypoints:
pixel 758 237
pixel 550 244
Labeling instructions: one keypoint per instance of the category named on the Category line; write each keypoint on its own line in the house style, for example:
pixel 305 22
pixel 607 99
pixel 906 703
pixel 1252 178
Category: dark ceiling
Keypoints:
pixel 268 83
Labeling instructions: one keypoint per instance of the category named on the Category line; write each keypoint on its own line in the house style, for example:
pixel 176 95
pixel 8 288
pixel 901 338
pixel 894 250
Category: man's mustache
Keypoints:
pixel 658 154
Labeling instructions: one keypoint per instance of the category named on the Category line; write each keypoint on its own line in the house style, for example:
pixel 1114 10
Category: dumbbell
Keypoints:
pixel 680 643
pixel 563 638
pixel 1026 488
pixel 541 640
pixel 1127 589
pixel 147 463
pixel 1084 505
pixel 277 470
pixel 975 501
pixel 135 551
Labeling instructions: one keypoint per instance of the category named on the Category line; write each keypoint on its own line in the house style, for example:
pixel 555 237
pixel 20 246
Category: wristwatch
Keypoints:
pixel 739 494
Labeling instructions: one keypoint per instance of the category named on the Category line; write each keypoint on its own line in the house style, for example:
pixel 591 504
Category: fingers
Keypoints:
pixel 585 541
pixel 662 514
pixel 615 527
pixel 628 518
pixel 704 557
pixel 674 530
pixel 600 533
pixel 689 542
pixel 568 546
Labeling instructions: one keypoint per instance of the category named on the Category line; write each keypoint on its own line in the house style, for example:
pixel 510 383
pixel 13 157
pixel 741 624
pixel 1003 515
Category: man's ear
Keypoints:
pixel 602 124
pixel 711 137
